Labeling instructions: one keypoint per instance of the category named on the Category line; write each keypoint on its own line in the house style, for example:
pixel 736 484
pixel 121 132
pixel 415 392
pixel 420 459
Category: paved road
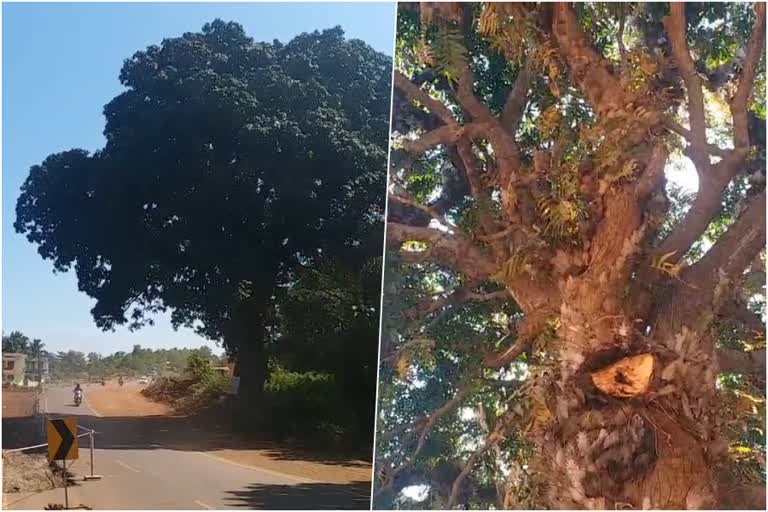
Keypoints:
pixel 146 464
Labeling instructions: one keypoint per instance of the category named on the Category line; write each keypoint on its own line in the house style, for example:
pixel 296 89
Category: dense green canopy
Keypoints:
pixel 230 167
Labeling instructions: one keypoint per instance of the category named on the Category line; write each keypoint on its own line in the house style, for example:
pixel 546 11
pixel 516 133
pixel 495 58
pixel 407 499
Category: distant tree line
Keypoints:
pixel 139 361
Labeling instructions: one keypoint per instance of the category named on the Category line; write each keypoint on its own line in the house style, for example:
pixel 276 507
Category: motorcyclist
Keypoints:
pixel 78 390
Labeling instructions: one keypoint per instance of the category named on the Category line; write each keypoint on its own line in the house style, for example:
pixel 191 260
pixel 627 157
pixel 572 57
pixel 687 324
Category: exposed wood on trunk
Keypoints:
pixel 626 377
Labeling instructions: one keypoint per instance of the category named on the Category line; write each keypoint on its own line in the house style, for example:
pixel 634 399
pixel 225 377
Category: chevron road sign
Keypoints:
pixel 62 439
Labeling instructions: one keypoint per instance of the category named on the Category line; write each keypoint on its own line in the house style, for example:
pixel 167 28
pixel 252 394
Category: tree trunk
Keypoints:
pixel 247 333
pixel 629 421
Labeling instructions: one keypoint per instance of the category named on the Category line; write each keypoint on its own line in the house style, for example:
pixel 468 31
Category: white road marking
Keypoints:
pixel 279 474
pixel 126 466
pixel 264 470
pixel 87 404
pixel 198 502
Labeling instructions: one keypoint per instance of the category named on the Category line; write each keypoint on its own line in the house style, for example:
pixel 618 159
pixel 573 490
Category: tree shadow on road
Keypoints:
pixel 184 433
pixel 305 496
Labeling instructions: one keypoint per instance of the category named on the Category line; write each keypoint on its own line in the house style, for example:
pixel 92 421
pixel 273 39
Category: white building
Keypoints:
pixel 14 368
pixel 38 370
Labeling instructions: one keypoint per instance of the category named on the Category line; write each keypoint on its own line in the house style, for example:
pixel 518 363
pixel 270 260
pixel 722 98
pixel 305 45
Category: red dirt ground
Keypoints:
pixel 18 403
pixel 113 400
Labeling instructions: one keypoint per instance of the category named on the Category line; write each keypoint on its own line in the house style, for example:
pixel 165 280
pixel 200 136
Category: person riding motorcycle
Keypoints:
pixel 78 392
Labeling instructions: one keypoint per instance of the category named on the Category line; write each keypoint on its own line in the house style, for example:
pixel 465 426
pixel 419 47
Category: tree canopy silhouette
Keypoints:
pixel 228 164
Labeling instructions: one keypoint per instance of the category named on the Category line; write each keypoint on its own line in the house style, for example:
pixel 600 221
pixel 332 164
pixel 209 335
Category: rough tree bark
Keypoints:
pixel 631 421
pixel 246 331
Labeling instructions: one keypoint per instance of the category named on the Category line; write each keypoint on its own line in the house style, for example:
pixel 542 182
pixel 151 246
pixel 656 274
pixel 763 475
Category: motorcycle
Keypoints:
pixel 78 397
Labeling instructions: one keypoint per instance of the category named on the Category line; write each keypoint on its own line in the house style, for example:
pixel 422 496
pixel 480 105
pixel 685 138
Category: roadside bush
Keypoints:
pixel 201 387
pixel 304 404
pixel 199 368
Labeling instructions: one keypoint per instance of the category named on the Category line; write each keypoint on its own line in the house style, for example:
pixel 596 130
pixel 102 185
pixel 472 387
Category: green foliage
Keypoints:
pixel 308 404
pixel 426 363
pixel 449 54
pixel 200 368
pixel 66 365
pixel 16 342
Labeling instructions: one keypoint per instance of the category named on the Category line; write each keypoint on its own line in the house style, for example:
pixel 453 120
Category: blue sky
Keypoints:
pixel 60 67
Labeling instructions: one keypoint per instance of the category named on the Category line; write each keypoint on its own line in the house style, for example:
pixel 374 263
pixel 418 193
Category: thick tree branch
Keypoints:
pixel 527 330
pixel 675 25
pixel 736 361
pixel 421 426
pixel 460 296
pixel 413 92
pixel 452 250
pixel 733 252
pixel 514 107
pixel 706 206
pixel 677 128
pixel 504 146
pixel 419 206
pixel 739 313
pixel 620 37
pixel 493 439
pixel 501 359
pixel 446 134
pixel 746 82
pixel 467 99
pixel 590 71
pixel 654 172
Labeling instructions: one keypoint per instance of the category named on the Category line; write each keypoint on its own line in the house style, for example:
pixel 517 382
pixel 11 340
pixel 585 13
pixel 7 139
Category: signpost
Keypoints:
pixel 63 445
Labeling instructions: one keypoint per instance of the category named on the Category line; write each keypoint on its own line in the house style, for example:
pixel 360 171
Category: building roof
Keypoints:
pixel 14 355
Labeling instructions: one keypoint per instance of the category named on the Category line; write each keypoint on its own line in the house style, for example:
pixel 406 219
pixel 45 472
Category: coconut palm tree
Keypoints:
pixel 35 348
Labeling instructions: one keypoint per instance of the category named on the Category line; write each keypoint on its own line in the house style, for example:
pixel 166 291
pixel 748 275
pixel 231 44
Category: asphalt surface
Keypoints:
pixel 154 463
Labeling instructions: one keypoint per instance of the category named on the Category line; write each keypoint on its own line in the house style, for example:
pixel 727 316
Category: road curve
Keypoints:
pixel 143 466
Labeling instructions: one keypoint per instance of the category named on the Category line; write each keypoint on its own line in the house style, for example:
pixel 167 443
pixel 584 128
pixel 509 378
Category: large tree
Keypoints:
pixel 562 327
pixel 227 163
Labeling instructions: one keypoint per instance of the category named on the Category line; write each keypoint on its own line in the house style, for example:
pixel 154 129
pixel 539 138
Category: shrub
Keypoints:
pixel 303 403
pixel 200 368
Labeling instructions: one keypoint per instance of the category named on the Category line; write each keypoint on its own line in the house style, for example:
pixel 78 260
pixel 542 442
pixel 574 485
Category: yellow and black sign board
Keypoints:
pixel 62 439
